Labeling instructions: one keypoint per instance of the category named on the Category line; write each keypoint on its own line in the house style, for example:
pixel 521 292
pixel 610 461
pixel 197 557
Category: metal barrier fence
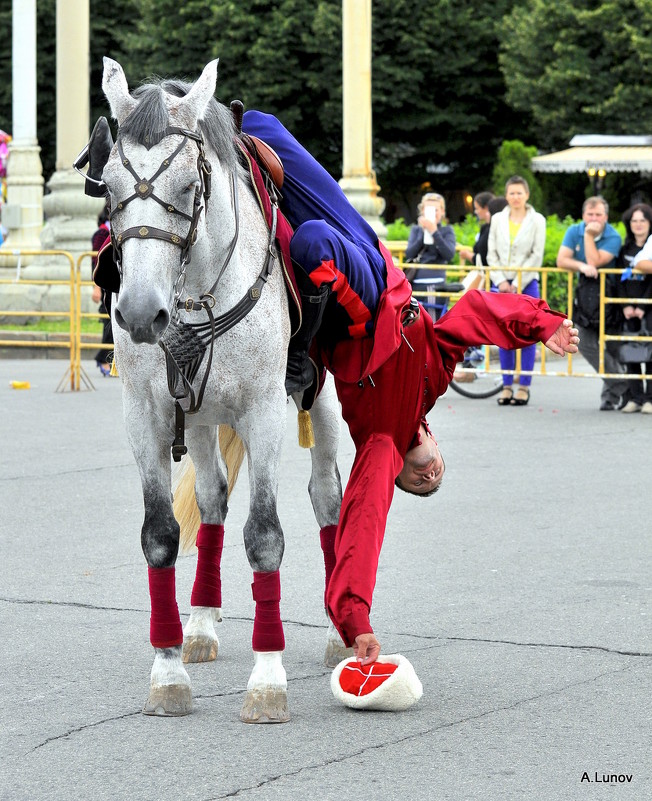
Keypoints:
pixel 75 376
pixel 427 297
pixel 71 342
pixel 80 344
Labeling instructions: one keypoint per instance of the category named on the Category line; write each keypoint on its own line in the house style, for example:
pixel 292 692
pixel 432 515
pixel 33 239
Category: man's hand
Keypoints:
pixel 588 270
pixel 564 340
pixel 96 294
pixel 593 229
pixel 366 648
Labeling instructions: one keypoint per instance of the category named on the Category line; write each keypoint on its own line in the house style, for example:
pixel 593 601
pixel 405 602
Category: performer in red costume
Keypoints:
pixel 389 361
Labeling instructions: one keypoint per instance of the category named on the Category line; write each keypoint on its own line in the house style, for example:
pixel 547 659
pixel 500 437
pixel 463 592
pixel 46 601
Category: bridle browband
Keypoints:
pixel 144 189
pixel 184 344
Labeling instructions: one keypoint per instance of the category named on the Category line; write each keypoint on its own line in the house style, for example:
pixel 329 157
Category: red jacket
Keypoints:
pixel 386 387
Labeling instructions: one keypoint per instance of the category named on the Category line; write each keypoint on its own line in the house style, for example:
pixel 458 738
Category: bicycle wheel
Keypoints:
pixel 482 385
pixel 474 381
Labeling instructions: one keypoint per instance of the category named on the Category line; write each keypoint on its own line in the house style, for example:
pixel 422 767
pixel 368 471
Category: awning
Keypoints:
pixel 583 159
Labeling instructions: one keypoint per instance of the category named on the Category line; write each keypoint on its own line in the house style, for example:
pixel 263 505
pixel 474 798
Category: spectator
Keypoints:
pixel 430 242
pixel 101 296
pixel 587 247
pixel 478 255
pixel 517 237
pixel 638 227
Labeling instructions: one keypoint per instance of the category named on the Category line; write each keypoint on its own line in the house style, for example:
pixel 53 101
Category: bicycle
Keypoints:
pixel 472 381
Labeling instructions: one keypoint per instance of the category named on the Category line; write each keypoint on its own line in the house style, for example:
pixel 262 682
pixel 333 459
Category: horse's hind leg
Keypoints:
pixel 262 433
pixel 200 642
pixel 325 489
pixel 170 692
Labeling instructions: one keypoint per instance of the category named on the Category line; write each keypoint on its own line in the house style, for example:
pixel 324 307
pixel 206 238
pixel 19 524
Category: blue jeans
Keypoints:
pixel 528 355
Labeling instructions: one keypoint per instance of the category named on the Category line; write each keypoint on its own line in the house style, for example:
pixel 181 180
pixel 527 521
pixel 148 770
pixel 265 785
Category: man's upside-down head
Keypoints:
pixel 423 467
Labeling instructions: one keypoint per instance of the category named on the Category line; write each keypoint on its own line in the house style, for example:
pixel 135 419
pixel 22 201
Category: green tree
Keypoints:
pixel 514 158
pixel 582 67
pixel 438 94
pixel 439 108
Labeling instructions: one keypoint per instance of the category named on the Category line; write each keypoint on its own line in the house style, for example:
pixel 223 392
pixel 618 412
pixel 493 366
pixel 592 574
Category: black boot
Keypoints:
pixel 302 374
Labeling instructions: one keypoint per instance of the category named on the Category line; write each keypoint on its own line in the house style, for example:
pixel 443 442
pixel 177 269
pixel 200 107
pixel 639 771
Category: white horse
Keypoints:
pixel 175 148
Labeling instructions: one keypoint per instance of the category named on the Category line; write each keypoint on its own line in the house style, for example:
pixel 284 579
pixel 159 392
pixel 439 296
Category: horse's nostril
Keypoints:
pixel 120 320
pixel 161 321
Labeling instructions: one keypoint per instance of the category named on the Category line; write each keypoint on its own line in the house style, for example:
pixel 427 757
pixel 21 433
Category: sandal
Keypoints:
pixel 521 397
pixel 505 397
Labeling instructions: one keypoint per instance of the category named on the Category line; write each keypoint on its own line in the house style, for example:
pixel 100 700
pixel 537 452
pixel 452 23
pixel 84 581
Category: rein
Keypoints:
pixel 184 344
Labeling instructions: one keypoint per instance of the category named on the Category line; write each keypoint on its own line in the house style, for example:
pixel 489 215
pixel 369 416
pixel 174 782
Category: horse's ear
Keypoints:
pixel 116 90
pixel 194 104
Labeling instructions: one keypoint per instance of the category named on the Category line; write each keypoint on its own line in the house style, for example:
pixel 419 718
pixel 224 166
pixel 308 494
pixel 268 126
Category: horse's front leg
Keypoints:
pixel 170 693
pixel 262 432
pixel 200 642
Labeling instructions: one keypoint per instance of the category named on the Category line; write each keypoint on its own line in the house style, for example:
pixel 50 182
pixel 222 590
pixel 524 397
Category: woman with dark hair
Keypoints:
pixel 638 227
pixel 484 205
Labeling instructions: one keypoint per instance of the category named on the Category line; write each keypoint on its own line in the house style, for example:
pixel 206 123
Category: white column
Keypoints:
pixel 72 217
pixel 23 213
pixel 358 178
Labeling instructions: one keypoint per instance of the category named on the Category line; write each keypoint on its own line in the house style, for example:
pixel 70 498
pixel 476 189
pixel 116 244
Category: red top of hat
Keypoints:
pixel 359 679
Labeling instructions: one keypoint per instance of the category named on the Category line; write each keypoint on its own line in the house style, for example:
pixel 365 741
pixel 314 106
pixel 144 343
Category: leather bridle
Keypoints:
pixel 182 338
pixel 144 190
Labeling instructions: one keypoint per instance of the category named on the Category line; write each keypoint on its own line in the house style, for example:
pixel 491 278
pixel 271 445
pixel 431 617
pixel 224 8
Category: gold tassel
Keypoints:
pixel 114 368
pixel 306 434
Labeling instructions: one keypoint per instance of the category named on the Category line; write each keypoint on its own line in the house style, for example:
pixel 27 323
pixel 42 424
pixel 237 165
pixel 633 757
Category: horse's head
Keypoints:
pixel 157 178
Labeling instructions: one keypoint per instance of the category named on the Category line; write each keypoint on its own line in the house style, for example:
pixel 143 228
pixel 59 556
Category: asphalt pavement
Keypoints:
pixel 520 593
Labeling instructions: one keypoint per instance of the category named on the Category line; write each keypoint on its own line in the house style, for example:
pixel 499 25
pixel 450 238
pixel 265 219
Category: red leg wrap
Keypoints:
pixel 327 537
pixel 268 629
pixel 207 589
pixel 165 629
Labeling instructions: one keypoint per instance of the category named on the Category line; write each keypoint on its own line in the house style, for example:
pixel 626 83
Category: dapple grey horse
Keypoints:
pixel 183 258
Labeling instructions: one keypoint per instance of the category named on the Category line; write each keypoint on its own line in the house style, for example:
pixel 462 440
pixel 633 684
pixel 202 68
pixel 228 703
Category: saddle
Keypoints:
pixel 266 157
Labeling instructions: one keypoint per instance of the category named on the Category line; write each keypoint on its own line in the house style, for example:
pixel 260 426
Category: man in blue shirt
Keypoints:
pixel 587 247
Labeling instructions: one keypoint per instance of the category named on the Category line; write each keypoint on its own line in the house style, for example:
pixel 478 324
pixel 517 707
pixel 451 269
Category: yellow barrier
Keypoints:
pixel 456 273
pixel 79 344
pixel 70 314
pixel 75 375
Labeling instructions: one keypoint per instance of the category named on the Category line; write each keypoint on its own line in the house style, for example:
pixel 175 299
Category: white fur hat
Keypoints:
pixel 389 684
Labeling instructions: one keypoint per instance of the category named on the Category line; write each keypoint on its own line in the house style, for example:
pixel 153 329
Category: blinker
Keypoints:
pixel 95 155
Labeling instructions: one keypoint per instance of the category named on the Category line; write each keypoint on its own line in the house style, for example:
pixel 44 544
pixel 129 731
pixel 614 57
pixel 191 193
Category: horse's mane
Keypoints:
pixel 151 117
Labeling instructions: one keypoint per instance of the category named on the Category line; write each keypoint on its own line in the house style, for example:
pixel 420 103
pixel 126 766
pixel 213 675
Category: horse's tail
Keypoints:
pixel 186 510
pixel 233 452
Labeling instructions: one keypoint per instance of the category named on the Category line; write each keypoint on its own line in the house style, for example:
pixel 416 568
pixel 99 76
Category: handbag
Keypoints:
pixel 586 304
pixel 636 352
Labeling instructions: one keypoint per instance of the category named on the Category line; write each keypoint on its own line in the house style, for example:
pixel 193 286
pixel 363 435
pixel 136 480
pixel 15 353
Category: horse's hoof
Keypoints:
pixel 266 706
pixel 335 653
pixel 200 649
pixel 169 701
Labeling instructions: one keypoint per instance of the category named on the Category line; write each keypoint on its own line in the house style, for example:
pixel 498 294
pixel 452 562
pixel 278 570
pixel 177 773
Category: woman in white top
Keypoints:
pixel 517 238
